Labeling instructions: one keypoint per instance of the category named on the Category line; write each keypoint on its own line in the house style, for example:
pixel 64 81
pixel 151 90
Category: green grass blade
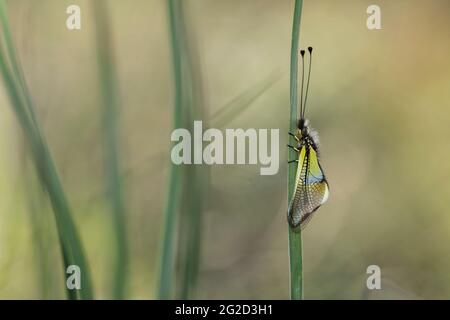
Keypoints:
pixel 166 261
pixel 295 236
pixel 190 231
pixel 195 178
pixel 111 104
pixel 21 102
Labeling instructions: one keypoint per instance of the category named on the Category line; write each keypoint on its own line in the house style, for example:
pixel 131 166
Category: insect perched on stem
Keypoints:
pixel 311 187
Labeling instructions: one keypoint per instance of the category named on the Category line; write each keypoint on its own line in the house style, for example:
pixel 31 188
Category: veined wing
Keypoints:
pixel 311 188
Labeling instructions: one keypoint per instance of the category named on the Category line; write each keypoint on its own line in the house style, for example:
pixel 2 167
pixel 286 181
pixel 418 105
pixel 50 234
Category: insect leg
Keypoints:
pixel 291 161
pixel 292 147
pixel 293 135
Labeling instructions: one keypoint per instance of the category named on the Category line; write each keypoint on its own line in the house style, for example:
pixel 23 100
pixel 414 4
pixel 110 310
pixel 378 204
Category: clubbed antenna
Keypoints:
pixel 310 49
pixel 302 53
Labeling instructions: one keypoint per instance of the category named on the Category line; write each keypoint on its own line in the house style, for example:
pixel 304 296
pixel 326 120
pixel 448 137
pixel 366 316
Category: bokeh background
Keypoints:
pixel 380 100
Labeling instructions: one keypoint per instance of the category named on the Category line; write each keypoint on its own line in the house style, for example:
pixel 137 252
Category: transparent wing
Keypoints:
pixel 311 188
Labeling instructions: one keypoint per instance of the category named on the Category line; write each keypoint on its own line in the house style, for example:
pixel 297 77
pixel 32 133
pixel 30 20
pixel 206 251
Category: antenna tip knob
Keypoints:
pixel 302 52
pixel 310 49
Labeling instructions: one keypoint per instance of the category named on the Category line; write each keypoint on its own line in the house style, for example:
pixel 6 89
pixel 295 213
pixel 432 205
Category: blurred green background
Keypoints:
pixel 380 100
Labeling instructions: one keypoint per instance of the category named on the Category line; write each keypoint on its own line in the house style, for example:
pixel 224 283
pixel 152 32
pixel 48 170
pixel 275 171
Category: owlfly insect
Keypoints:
pixel 311 187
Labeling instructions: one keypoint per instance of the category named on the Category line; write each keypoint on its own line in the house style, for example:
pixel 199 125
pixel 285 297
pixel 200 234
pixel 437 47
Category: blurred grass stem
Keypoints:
pixel 166 261
pixel 21 101
pixel 111 108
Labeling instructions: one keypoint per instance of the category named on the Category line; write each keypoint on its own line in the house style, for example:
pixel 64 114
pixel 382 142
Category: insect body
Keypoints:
pixel 311 187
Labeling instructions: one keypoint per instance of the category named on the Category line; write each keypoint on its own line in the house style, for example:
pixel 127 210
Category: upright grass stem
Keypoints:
pixel 295 236
pixel 196 178
pixel 110 113
pixel 14 80
pixel 166 261
pixel 181 260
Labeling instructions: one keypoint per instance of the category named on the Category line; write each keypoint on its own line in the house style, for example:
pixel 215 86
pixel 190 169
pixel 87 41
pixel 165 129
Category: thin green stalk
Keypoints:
pixel 190 231
pixel 14 80
pixel 295 236
pixel 109 88
pixel 166 261
pixel 183 262
pixel 196 178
